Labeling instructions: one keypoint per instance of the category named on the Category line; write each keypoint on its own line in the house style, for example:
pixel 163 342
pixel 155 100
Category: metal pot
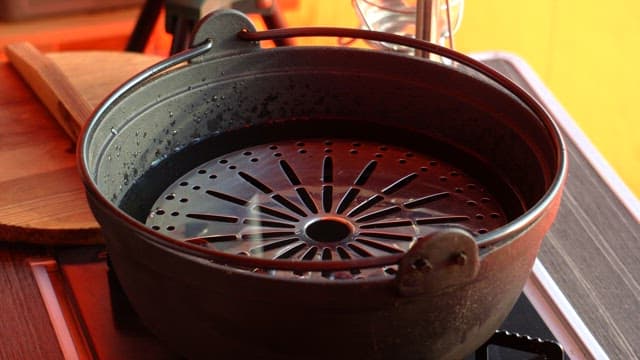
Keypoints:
pixel 315 202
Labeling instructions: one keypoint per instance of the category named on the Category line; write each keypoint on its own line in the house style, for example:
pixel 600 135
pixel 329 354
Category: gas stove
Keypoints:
pixel 92 318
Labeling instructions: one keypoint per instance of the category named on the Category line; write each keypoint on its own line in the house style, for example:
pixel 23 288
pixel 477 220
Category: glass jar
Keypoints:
pixel 440 19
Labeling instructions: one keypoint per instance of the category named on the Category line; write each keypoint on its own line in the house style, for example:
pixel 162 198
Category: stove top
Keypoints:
pixel 93 319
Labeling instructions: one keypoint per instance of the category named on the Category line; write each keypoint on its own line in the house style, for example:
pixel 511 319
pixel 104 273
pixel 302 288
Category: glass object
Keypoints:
pixel 440 19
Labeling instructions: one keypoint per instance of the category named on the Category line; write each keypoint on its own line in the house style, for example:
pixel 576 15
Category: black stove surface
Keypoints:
pixel 523 329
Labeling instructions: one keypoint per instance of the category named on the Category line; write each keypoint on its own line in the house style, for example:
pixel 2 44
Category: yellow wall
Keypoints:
pixel 586 52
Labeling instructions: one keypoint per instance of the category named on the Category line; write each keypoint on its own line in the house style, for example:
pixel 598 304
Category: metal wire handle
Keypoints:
pixel 285 33
pixel 246 35
pixel 157 68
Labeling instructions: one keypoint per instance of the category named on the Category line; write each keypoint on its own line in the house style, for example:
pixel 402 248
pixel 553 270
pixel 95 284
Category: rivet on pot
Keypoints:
pixel 460 258
pixel 421 264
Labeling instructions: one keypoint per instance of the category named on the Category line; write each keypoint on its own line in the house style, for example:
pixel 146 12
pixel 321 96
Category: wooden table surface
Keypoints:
pixel 25 330
pixel 46 202
pixel 592 250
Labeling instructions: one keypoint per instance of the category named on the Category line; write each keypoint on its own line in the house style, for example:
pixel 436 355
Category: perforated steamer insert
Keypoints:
pixel 322 199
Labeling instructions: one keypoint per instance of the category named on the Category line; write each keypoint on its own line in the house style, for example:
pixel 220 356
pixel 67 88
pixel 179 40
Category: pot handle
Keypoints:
pixel 231 32
pixel 438 261
pixel 222 30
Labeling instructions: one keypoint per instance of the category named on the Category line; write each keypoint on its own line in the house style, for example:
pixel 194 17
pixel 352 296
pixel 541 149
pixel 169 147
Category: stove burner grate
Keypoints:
pixel 541 349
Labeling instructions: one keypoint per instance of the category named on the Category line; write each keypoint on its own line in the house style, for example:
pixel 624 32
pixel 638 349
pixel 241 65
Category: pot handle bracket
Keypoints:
pixel 221 28
pixel 438 261
pixel 215 35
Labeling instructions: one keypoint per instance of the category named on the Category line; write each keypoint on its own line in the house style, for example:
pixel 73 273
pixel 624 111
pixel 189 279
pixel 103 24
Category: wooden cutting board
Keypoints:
pixel 42 198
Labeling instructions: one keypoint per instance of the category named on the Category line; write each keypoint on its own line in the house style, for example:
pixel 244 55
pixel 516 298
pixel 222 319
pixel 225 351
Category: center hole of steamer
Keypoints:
pixel 329 230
